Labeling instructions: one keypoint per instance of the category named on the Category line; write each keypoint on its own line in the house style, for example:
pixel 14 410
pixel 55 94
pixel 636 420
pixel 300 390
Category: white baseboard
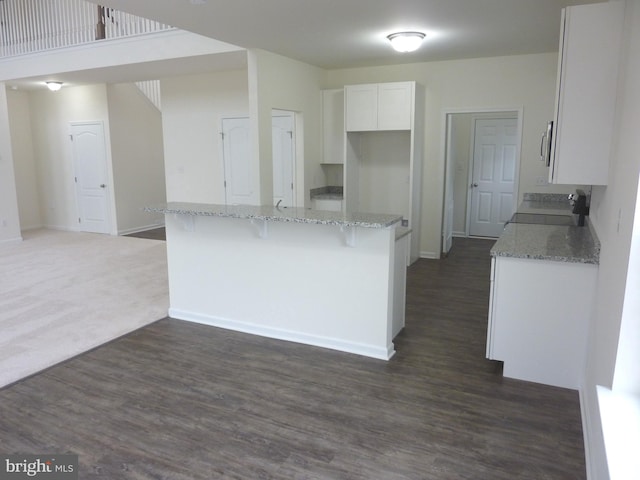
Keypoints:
pixel 32 227
pixel 11 240
pixel 61 228
pixel 287 335
pixel 459 234
pixel 128 231
pixel 430 255
pixel 586 432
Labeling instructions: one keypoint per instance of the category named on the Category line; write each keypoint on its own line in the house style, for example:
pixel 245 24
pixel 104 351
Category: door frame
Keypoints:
pixel 108 172
pixel 472 152
pixel 277 112
pixel 444 144
pixel 225 172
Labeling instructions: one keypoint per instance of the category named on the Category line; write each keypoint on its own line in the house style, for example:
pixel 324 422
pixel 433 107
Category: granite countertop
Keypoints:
pixel 548 242
pixel 281 214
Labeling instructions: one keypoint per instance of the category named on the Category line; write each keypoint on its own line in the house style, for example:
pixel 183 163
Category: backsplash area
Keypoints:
pixel 545 197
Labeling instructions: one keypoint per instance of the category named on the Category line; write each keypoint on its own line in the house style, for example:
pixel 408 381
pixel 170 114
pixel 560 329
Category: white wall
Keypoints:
pixel 460 156
pixel 24 160
pixel 526 81
pixel 138 158
pixel 192 109
pixel 383 172
pixel 9 215
pixel 612 214
pixel 277 82
pixel 51 113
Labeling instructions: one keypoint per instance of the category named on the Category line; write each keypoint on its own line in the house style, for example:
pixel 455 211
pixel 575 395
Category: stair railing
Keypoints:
pixel 30 26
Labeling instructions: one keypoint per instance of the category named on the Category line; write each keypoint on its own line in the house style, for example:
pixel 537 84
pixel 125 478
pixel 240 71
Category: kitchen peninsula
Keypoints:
pixel 329 279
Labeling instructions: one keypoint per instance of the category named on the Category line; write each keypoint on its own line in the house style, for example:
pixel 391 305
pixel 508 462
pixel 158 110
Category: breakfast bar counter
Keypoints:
pixel 321 278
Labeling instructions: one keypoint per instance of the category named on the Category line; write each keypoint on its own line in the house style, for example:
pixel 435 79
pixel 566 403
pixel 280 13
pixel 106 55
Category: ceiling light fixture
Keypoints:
pixel 54 86
pixel 406 41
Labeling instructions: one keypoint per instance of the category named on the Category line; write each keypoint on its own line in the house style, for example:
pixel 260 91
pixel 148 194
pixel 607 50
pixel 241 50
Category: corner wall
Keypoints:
pixel 137 156
pixel 9 216
pixel 612 215
pixel 277 82
pixel 24 160
pixel 192 109
pixel 51 113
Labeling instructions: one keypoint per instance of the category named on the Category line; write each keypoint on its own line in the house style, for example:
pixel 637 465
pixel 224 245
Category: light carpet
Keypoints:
pixel 63 293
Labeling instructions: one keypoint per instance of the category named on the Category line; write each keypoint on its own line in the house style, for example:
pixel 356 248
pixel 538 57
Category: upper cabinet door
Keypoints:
pixel 361 107
pixel 383 106
pixel 394 106
pixel 590 42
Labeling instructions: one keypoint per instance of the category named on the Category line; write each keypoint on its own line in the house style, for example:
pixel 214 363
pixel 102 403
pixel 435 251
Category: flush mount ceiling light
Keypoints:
pixel 54 86
pixel 406 41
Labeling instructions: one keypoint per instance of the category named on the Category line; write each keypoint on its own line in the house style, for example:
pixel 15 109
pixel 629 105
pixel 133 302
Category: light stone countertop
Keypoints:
pixel 281 214
pixel 548 242
pixel 557 243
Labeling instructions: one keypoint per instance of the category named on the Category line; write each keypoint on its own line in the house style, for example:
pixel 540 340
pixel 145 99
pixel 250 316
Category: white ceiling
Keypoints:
pixel 337 33
pixel 352 33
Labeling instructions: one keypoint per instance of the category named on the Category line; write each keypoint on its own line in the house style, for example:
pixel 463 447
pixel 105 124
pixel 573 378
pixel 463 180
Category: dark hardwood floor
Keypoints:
pixel 153 234
pixel 177 400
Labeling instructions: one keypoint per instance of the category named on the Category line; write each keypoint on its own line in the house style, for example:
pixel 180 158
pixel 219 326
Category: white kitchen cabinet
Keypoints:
pixel 333 126
pixel 377 107
pixel 328 204
pixel 590 42
pixel 383 166
pixel 539 318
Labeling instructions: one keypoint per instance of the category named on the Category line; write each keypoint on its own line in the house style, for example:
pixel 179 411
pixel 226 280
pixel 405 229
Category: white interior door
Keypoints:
pixel 283 157
pixel 495 165
pixel 90 168
pixel 236 152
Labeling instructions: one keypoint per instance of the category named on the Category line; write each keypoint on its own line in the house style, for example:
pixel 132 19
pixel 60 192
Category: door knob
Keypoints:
pixel 102 185
pixel 474 185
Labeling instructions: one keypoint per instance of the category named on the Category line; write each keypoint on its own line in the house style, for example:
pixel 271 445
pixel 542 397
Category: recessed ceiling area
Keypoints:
pixel 352 33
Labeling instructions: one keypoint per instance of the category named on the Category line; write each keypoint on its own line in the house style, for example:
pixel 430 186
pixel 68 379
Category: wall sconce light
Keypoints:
pixel 406 41
pixel 54 86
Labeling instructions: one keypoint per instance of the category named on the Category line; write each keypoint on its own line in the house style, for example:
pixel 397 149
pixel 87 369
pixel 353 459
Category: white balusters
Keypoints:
pixel 28 26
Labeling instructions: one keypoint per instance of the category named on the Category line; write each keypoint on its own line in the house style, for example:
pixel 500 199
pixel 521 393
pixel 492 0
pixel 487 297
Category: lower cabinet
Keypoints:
pixel 539 314
pixel 330 204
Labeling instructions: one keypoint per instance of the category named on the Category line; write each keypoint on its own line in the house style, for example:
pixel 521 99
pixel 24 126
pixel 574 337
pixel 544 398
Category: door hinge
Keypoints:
pixel 222 135
pixel 290 134
pixel 225 184
pixel 292 186
pixel 71 137
pixel 75 179
pixel 79 220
